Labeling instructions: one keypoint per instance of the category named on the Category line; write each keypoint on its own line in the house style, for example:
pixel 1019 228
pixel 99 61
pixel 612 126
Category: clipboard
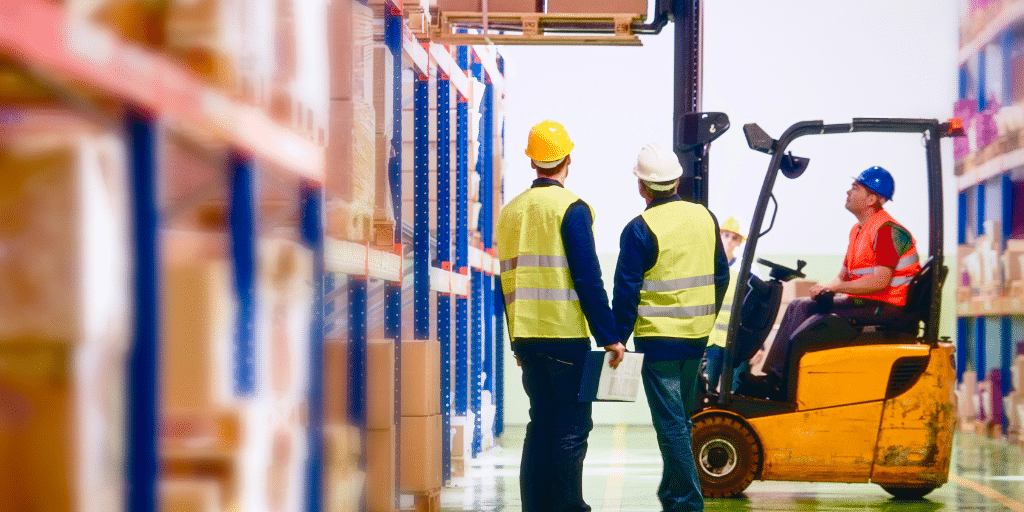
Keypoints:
pixel 602 383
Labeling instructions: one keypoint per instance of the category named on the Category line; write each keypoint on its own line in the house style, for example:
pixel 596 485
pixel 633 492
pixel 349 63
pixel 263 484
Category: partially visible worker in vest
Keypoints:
pixel 881 259
pixel 670 280
pixel 732 237
pixel 554 298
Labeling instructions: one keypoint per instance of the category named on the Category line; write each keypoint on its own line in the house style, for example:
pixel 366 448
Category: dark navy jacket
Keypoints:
pixel 580 251
pixel 638 251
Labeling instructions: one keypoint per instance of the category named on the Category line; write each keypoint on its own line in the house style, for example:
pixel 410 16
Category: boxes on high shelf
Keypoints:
pixel 350 181
pixel 492 5
pixel 138 21
pixel 62 418
pixel 421 453
pixel 380 470
pixel 205 35
pixel 64 252
pixel 350 51
pixel 421 378
pixel 383 91
pixel 635 7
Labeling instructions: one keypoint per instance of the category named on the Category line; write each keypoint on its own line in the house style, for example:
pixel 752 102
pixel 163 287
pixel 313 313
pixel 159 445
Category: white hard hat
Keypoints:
pixel 657 163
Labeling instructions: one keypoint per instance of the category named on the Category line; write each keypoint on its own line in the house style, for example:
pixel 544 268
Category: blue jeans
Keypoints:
pixel 714 355
pixel 671 391
pixel 551 473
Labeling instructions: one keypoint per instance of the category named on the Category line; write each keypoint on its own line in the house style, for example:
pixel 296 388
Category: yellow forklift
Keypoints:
pixel 864 403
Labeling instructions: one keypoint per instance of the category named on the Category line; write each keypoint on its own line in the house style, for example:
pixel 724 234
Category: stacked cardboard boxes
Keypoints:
pixel 64 318
pixel 381 444
pixel 421 417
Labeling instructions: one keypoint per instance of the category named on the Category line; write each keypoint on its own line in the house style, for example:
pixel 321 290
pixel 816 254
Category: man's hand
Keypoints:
pixel 816 290
pixel 619 349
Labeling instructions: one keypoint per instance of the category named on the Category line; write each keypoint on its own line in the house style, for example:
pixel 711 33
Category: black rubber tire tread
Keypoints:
pixel 908 493
pixel 748 452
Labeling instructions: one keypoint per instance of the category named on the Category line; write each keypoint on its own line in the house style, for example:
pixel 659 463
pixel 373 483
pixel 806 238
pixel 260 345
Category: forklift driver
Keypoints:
pixel 881 259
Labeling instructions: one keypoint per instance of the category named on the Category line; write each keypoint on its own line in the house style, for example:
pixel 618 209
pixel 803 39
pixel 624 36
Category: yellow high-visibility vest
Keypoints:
pixel 540 299
pixel 721 329
pixel 677 298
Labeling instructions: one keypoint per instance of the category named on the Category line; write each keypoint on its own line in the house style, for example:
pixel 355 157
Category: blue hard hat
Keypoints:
pixel 878 180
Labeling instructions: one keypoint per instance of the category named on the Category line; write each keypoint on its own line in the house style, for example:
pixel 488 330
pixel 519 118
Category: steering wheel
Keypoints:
pixel 784 273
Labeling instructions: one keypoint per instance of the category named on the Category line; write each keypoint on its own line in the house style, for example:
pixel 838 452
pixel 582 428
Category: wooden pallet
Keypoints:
pixel 427 501
pixel 537 29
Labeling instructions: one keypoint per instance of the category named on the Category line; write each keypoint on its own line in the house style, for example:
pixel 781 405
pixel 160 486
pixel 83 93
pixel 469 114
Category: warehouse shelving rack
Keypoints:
pixel 989 324
pixel 159 95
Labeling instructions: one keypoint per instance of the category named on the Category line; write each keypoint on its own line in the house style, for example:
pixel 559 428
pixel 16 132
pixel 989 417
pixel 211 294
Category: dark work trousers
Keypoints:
pixel 671 388
pixel 849 308
pixel 551 472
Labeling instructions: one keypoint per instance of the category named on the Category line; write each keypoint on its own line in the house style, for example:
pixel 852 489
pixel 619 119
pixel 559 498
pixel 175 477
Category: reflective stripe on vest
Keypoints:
pixel 540 300
pixel 677 298
pixel 860 260
pixel 721 330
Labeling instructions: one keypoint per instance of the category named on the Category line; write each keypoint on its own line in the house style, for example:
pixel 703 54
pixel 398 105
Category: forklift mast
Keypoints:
pixel 693 186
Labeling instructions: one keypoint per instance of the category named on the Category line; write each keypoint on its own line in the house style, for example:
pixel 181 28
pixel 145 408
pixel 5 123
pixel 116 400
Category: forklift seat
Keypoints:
pixel 918 305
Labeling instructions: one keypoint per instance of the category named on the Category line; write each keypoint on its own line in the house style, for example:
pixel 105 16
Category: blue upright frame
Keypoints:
pixel 421 212
pixel 444 256
pixel 462 245
pixel 144 353
pixel 477 340
pixel 393 324
pixel 312 227
pixel 499 314
pixel 357 395
pixel 243 251
pixel 487 232
pixel 962 347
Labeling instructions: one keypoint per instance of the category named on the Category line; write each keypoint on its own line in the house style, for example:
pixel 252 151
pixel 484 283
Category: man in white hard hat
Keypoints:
pixel 670 280
pixel 554 300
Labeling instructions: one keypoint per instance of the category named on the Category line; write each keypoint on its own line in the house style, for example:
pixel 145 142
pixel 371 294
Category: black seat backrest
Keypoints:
pixel 757 317
pixel 919 295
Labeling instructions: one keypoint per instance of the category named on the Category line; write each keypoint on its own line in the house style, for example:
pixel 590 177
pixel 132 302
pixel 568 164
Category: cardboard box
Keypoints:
pixel 492 5
pixel 421 378
pixel 62 179
pixel 380 470
pixel 797 288
pixel 181 495
pixel 636 7
pixel 380 384
pixel 198 335
pixel 421 453
pixel 62 417
pixel 336 381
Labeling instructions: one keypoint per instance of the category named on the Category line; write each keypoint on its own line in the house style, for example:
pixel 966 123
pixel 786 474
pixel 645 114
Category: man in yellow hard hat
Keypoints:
pixel 554 300
pixel 670 280
pixel 733 235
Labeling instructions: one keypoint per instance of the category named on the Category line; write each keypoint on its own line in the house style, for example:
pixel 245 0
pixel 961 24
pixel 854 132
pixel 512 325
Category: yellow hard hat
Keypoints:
pixel 548 143
pixel 733 224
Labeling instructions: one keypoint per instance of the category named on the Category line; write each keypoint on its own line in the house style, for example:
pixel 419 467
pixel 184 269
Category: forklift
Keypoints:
pixel 863 403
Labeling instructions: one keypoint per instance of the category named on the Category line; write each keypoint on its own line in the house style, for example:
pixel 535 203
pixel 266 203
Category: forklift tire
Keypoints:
pixel 909 493
pixel 727 454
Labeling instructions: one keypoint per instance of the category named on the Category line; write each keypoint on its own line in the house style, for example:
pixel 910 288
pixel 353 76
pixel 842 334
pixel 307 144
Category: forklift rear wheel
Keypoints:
pixel 727 454
pixel 909 493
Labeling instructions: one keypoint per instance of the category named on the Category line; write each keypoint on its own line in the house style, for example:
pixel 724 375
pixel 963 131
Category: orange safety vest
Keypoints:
pixel 860 260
